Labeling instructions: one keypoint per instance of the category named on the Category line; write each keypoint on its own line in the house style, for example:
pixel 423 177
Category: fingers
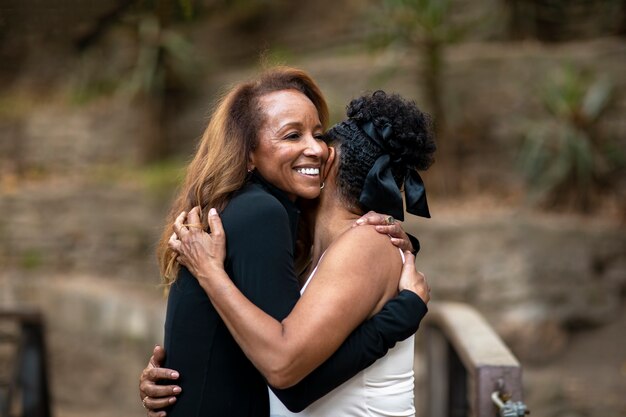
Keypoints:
pixel 158 356
pixel 393 229
pixel 375 219
pixel 215 223
pixel 409 260
pixel 182 259
pixel 157 413
pixel 413 280
pixel 173 243
pixel 403 244
pixel 370 217
pixel 159 392
pixel 179 228
pixel 154 404
pixel 423 289
pixel 397 235
pixel 157 374
pixel 425 282
pixel 194 216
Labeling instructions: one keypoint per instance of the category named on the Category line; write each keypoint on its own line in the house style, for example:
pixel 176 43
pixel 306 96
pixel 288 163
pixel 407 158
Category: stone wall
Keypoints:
pixel 537 277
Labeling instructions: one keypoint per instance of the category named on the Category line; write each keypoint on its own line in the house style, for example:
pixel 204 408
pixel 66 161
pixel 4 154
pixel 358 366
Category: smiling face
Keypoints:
pixel 290 152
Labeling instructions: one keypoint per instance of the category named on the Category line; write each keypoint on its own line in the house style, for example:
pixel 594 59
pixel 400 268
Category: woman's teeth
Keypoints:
pixel 308 171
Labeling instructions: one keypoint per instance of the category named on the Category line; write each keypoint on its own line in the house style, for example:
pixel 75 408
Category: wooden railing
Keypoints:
pixel 468 367
pixel 24 390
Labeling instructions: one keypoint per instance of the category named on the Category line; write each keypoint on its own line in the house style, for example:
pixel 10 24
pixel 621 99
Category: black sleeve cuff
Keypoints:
pixel 415 242
pixel 401 317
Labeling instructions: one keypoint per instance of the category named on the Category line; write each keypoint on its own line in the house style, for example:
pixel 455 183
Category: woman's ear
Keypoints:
pixel 329 162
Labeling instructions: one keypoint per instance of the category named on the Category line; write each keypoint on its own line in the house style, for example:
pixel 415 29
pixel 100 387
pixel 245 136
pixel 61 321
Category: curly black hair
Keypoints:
pixel 411 145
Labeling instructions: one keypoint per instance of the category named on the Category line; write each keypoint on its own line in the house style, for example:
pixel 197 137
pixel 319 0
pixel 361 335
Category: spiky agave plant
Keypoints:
pixel 565 157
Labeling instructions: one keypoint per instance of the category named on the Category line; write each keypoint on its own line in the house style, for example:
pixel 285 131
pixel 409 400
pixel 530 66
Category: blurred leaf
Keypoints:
pixel 562 152
pixel 419 21
pixel 615 154
pixel 31 259
pixel 180 52
pixel 533 155
pixel 596 99
pixel 144 78
pixel 563 92
pixel 580 156
pixel 186 7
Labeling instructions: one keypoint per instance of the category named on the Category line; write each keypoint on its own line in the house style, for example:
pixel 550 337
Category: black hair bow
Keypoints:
pixel 380 191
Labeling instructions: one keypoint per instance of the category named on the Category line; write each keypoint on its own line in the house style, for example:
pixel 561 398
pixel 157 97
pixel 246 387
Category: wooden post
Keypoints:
pixel 29 381
pixel 456 336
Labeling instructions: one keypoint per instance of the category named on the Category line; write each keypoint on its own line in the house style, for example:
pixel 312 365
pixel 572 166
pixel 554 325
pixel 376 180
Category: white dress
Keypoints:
pixel 383 389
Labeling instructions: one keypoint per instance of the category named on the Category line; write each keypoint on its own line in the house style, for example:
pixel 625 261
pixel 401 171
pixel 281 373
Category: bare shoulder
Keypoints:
pixel 363 260
pixel 365 246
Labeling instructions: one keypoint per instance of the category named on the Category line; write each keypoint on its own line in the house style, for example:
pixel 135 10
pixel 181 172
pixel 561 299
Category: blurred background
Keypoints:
pixel 102 102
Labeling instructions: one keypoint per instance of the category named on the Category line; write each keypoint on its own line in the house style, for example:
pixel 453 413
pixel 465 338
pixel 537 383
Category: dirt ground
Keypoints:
pixel 587 380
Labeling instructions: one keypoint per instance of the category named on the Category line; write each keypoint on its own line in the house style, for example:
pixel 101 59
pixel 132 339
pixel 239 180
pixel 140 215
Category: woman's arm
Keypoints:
pixel 350 357
pixel 286 351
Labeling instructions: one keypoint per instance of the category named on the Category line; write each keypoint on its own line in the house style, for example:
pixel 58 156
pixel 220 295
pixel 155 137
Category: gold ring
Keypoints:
pixel 143 402
pixel 390 220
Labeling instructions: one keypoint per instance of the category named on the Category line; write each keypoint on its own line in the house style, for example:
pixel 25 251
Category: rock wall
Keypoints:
pixel 537 277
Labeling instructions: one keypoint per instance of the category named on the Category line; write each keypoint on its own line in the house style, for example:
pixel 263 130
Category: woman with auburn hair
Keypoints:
pixel 262 151
pixel 221 164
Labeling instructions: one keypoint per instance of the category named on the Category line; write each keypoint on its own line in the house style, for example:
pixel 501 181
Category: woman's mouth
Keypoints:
pixel 308 171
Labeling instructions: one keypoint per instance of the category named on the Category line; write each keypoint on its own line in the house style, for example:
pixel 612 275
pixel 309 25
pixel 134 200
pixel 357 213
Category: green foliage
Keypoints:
pixel 165 59
pixel 159 179
pixel 90 88
pixel 186 7
pixel 421 22
pixel 31 259
pixel 168 9
pixel 565 157
pixel 161 50
pixel 163 177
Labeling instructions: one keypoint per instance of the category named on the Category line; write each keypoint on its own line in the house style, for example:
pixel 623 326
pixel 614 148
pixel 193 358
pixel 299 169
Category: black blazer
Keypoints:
pixel 216 377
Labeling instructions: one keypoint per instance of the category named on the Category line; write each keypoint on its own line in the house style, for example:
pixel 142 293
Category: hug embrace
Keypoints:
pixel 289 294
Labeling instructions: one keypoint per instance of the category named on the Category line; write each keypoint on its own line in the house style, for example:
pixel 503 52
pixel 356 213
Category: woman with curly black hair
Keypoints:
pixel 375 153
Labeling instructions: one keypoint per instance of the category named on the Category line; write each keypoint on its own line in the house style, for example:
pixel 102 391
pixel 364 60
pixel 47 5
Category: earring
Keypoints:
pixel 322 186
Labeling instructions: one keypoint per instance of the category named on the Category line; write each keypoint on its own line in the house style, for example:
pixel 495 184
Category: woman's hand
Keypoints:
pixel 198 250
pixel 412 279
pixel 153 396
pixel 387 225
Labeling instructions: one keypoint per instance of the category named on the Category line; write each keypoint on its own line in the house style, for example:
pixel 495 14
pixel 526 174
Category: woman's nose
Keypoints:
pixel 315 147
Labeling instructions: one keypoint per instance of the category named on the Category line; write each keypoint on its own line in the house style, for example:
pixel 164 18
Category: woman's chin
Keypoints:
pixel 309 193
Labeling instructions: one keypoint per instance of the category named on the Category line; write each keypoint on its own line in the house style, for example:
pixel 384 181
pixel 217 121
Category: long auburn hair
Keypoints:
pixel 219 166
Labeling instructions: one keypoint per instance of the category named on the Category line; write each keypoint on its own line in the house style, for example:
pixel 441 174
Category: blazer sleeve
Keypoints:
pixel 259 257
pixel 399 319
